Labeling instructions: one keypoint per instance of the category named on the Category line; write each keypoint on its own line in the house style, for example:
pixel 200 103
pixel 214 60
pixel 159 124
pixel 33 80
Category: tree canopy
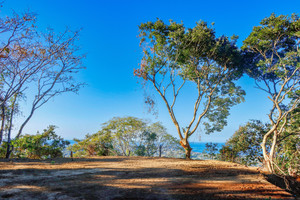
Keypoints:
pixel 273 49
pixel 175 56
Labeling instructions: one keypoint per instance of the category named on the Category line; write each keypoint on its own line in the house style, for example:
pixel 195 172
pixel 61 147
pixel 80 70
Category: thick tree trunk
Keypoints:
pixel 185 144
pixel 266 154
pixel 188 153
pixel 272 152
pixel 269 156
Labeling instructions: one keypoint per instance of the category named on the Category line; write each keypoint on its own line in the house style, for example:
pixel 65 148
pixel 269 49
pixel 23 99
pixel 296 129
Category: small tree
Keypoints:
pixel 211 149
pixel 146 144
pixel 244 146
pixel 273 49
pixel 174 57
pixel 126 133
pixel 165 143
pixel 39 146
pixel 98 144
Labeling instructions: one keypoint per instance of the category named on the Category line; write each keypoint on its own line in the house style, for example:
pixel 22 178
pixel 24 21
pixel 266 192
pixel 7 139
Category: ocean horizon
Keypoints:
pixel 197 147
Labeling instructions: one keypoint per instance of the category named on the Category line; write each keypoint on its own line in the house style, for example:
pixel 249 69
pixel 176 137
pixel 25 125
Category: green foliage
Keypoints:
pixel 288 148
pixel 98 144
pixel 244 146
pixel 227 153
pixel 39 146
pixel 165 144
pixel 175 56
pixel 210 149
pixel 273 48
pixel 127 136
pixel 146 146
pixel 273 55
pixel 125 132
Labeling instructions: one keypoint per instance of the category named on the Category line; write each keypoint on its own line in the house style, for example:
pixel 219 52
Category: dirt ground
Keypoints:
pixel 133 178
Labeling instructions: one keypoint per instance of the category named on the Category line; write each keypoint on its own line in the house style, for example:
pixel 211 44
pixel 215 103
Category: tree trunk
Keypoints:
pixel 188 153
pixel 185 144
pixel 25 122
pixel 160 150
pixel 9 146
pixel 272 151
pixel 2 122
pixel 269 157
pixel 8 151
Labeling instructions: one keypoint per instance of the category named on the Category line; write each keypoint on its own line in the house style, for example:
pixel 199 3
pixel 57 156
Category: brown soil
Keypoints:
pixel 133 178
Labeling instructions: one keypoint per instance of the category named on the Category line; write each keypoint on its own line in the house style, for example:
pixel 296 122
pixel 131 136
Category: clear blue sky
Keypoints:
pixel 109 38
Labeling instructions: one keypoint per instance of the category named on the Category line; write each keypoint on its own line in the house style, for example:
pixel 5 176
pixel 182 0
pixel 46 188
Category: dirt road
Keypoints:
pixel 133 178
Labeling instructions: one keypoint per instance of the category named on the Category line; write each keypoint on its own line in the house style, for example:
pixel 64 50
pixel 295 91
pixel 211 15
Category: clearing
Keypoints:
pixel 133 178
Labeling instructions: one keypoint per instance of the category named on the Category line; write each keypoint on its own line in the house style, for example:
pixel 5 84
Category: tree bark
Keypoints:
pixel 185 144
pixel 272 151
pixel 160 150
pixel 25 122
pixel 2 122
pixel 9 146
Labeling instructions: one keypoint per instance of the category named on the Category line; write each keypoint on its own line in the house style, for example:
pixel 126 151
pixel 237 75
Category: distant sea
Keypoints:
pixel 196 146
pixel 200 146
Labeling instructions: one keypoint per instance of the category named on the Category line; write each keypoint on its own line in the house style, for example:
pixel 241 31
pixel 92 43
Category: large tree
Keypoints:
pixel 273 51
pixel 175 57
pixel 35 67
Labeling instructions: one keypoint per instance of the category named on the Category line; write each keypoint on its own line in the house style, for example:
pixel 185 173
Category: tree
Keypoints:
pixel 175 57
pixel 146 144
pixel 288 148
pixel 165 143
pixel 273 52
pixel 127 132
pixel 16 31
pixel 45 62
pixel 39 146
pixel 210 149
pixel 98 144
pixel 244 146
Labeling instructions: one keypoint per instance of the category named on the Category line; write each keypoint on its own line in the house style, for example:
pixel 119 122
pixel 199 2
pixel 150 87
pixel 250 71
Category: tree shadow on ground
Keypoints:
pixel 199 182
pixel 288 183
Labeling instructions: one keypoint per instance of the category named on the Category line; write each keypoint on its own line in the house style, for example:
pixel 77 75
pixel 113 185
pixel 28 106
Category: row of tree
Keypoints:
pixel 35 66
pixel 128 136
pixel 176 57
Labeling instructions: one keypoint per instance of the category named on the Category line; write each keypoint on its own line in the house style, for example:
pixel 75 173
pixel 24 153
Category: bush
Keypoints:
pixel 39 146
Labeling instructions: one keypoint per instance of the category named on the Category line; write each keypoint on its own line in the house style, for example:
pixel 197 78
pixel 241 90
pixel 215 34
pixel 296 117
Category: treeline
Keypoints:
pixel 128 136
